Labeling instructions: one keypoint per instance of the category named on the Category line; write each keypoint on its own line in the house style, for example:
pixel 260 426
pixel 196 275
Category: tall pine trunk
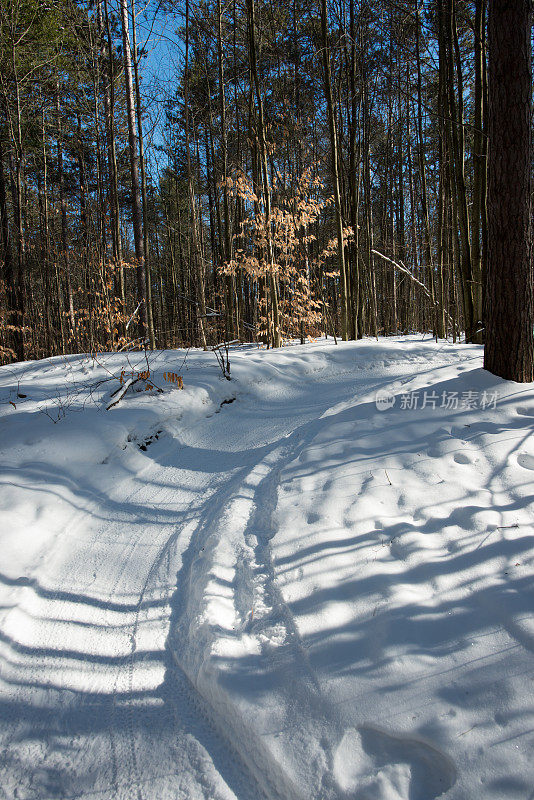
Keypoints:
pixel 275 333
pixel 146 253
pixel 133 147
pixel 509 350
pixel 335 170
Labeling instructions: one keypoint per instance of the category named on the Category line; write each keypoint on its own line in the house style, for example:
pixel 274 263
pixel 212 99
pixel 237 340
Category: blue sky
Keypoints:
pixel 156 33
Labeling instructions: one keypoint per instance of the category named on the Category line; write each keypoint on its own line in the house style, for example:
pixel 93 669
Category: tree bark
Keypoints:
pixel 197 253
pixel 479 160
pixel 137 213
pixel 509 350
pixel 273 289
pixel 146 253
pixel 335 170
pixel 109 108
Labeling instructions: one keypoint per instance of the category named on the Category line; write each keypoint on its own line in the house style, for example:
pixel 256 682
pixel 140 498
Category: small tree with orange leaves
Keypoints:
pixel 293 214
pixel 100 319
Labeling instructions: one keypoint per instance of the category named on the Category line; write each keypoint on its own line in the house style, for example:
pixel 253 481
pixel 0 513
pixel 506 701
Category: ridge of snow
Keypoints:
pixel 268 586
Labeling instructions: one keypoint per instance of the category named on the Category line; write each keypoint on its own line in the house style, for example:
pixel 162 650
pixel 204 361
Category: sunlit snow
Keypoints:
pixel 303 593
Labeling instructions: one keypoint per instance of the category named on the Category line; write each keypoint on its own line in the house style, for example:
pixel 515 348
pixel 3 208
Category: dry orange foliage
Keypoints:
pixel 172 377
pixel 295 210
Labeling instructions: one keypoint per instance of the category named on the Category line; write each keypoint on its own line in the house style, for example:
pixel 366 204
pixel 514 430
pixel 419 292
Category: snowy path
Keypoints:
pixel 85 644
pixel 208 599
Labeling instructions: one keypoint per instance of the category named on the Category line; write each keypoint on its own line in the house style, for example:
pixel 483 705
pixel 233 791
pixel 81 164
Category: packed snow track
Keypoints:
pixel 274 587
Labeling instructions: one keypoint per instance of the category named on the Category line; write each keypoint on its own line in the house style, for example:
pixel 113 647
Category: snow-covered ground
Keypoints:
pixel 269 587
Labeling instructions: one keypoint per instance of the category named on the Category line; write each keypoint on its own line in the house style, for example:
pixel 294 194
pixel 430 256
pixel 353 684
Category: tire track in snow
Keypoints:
pixel 114 599
pixel 264 486
pixel 58 604
pixel 245 517
pixel 247 504
pixel 188 696
pixel 56 598
pixel 240 774
pixel 261 487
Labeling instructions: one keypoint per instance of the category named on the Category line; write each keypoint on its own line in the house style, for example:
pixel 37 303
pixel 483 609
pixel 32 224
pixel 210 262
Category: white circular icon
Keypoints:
pixel 384 400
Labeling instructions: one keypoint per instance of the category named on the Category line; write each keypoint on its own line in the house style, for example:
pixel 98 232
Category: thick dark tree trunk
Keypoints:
pixel 509 349
pixel 479 207
pixel 8 272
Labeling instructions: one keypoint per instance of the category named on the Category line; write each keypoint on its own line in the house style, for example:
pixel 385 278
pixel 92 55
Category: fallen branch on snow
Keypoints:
pixel 121 391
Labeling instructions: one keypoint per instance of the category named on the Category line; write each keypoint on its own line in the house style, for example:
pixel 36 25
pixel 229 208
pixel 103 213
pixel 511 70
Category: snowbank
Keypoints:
pixel 319 572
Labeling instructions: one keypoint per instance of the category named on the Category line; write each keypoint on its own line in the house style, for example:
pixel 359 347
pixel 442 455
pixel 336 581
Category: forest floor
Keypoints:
pixel 269 587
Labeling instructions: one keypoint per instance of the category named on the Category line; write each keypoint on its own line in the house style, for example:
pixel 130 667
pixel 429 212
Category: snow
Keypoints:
pixel 276 586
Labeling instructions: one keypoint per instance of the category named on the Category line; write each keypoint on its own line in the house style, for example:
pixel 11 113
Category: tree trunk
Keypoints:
pixel 109 107
pixel 195 222
pixel 8 272
pixel 335 170
pixel 427 248
pixel 137 213
pixel 479 161
pixel 509 350
pixel 146 254
pixel 273 289
pixel 232 326
pixel 457 147
pixel 64 222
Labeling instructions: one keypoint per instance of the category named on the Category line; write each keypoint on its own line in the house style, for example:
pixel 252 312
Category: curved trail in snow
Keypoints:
pixel 108 648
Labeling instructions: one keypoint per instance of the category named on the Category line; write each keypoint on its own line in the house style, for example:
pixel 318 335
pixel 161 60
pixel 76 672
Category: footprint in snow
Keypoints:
pixel 398 549
pixel 526 461
pixel 50 781
pixel 370 764
pixel 463 458
pixel 525 411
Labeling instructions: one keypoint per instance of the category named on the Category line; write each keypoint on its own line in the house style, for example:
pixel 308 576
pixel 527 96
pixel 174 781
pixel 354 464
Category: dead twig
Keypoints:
pixel 221 351
pixel 121 391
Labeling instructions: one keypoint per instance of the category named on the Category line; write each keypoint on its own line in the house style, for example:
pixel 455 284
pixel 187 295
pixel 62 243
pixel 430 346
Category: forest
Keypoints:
pixel 266 400
pixel 308 168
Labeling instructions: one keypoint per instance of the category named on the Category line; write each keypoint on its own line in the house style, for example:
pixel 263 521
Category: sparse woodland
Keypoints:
pixel 310 167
